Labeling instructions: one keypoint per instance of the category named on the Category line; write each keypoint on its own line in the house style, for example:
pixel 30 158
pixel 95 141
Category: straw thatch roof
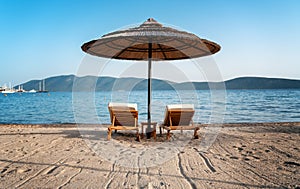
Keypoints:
pixel 167 44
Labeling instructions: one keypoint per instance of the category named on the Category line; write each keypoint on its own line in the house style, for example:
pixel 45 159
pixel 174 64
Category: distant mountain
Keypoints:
pixel 93 83
pixel 58 83
pixel 262 83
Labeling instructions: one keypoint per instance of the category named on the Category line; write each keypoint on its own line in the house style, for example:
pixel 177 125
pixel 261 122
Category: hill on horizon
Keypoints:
pixel 94 83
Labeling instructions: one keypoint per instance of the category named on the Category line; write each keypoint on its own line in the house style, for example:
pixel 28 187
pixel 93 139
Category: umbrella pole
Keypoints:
pixel 148 132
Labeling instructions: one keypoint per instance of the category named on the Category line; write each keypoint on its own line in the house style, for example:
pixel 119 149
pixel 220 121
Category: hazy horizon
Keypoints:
pixel 153 78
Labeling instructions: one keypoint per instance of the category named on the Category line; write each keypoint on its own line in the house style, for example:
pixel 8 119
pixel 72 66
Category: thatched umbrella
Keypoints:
pixel 150 41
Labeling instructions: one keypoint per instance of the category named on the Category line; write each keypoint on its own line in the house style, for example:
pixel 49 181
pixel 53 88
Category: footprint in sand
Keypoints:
pixel 23 170
pixel 255 157
pixel 50 170
pixel 239 148
pixel 4 170
pixel 279 168
pixel 291 163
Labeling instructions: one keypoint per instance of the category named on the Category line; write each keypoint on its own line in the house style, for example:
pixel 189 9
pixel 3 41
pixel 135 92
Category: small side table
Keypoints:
pixel 150 132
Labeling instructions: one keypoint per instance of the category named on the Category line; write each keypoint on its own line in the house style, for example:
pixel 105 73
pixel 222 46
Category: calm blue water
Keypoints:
pixel 234 106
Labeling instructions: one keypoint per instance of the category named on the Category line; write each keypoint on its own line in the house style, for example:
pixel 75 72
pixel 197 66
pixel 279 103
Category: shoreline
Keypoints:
pixel 222 125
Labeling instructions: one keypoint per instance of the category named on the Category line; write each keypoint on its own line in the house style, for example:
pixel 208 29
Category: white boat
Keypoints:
pixel 32 91
pixel 7 90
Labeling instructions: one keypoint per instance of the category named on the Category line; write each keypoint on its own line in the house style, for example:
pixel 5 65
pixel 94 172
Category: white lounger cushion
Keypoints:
pixel 180 106
pixel 125 105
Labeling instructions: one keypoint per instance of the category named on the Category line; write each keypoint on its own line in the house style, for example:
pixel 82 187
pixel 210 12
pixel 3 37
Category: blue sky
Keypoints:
pixel 40 39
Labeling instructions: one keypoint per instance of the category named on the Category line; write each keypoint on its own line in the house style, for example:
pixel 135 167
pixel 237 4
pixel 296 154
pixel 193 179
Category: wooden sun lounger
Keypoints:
pixel 123 117
pixel 179 117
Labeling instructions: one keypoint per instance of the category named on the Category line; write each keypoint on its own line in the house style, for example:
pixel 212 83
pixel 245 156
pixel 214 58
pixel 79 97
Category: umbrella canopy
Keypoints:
pixel 167 44
pixel 150 41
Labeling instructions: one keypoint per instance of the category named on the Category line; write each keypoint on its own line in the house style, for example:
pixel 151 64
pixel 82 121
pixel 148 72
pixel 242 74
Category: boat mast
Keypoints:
pixel 43 85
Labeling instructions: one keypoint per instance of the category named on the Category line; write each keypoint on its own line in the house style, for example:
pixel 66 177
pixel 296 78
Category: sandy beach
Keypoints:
pixel 242 156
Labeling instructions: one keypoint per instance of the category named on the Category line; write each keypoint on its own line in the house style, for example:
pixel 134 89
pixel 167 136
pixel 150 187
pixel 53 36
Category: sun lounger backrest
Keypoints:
pixel 177 115
pixel 125 114
pixel 125 117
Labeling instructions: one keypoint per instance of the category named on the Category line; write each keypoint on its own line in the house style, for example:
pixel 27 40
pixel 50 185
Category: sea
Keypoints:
pixel 230 106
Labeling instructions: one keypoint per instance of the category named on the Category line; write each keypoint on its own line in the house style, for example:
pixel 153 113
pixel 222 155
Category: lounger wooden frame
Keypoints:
pixel 123 119
pixel 179 119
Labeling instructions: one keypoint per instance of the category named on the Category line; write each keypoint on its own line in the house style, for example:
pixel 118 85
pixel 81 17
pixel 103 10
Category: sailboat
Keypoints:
pixel 20 89
pixel 42 88
pixel 7 90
